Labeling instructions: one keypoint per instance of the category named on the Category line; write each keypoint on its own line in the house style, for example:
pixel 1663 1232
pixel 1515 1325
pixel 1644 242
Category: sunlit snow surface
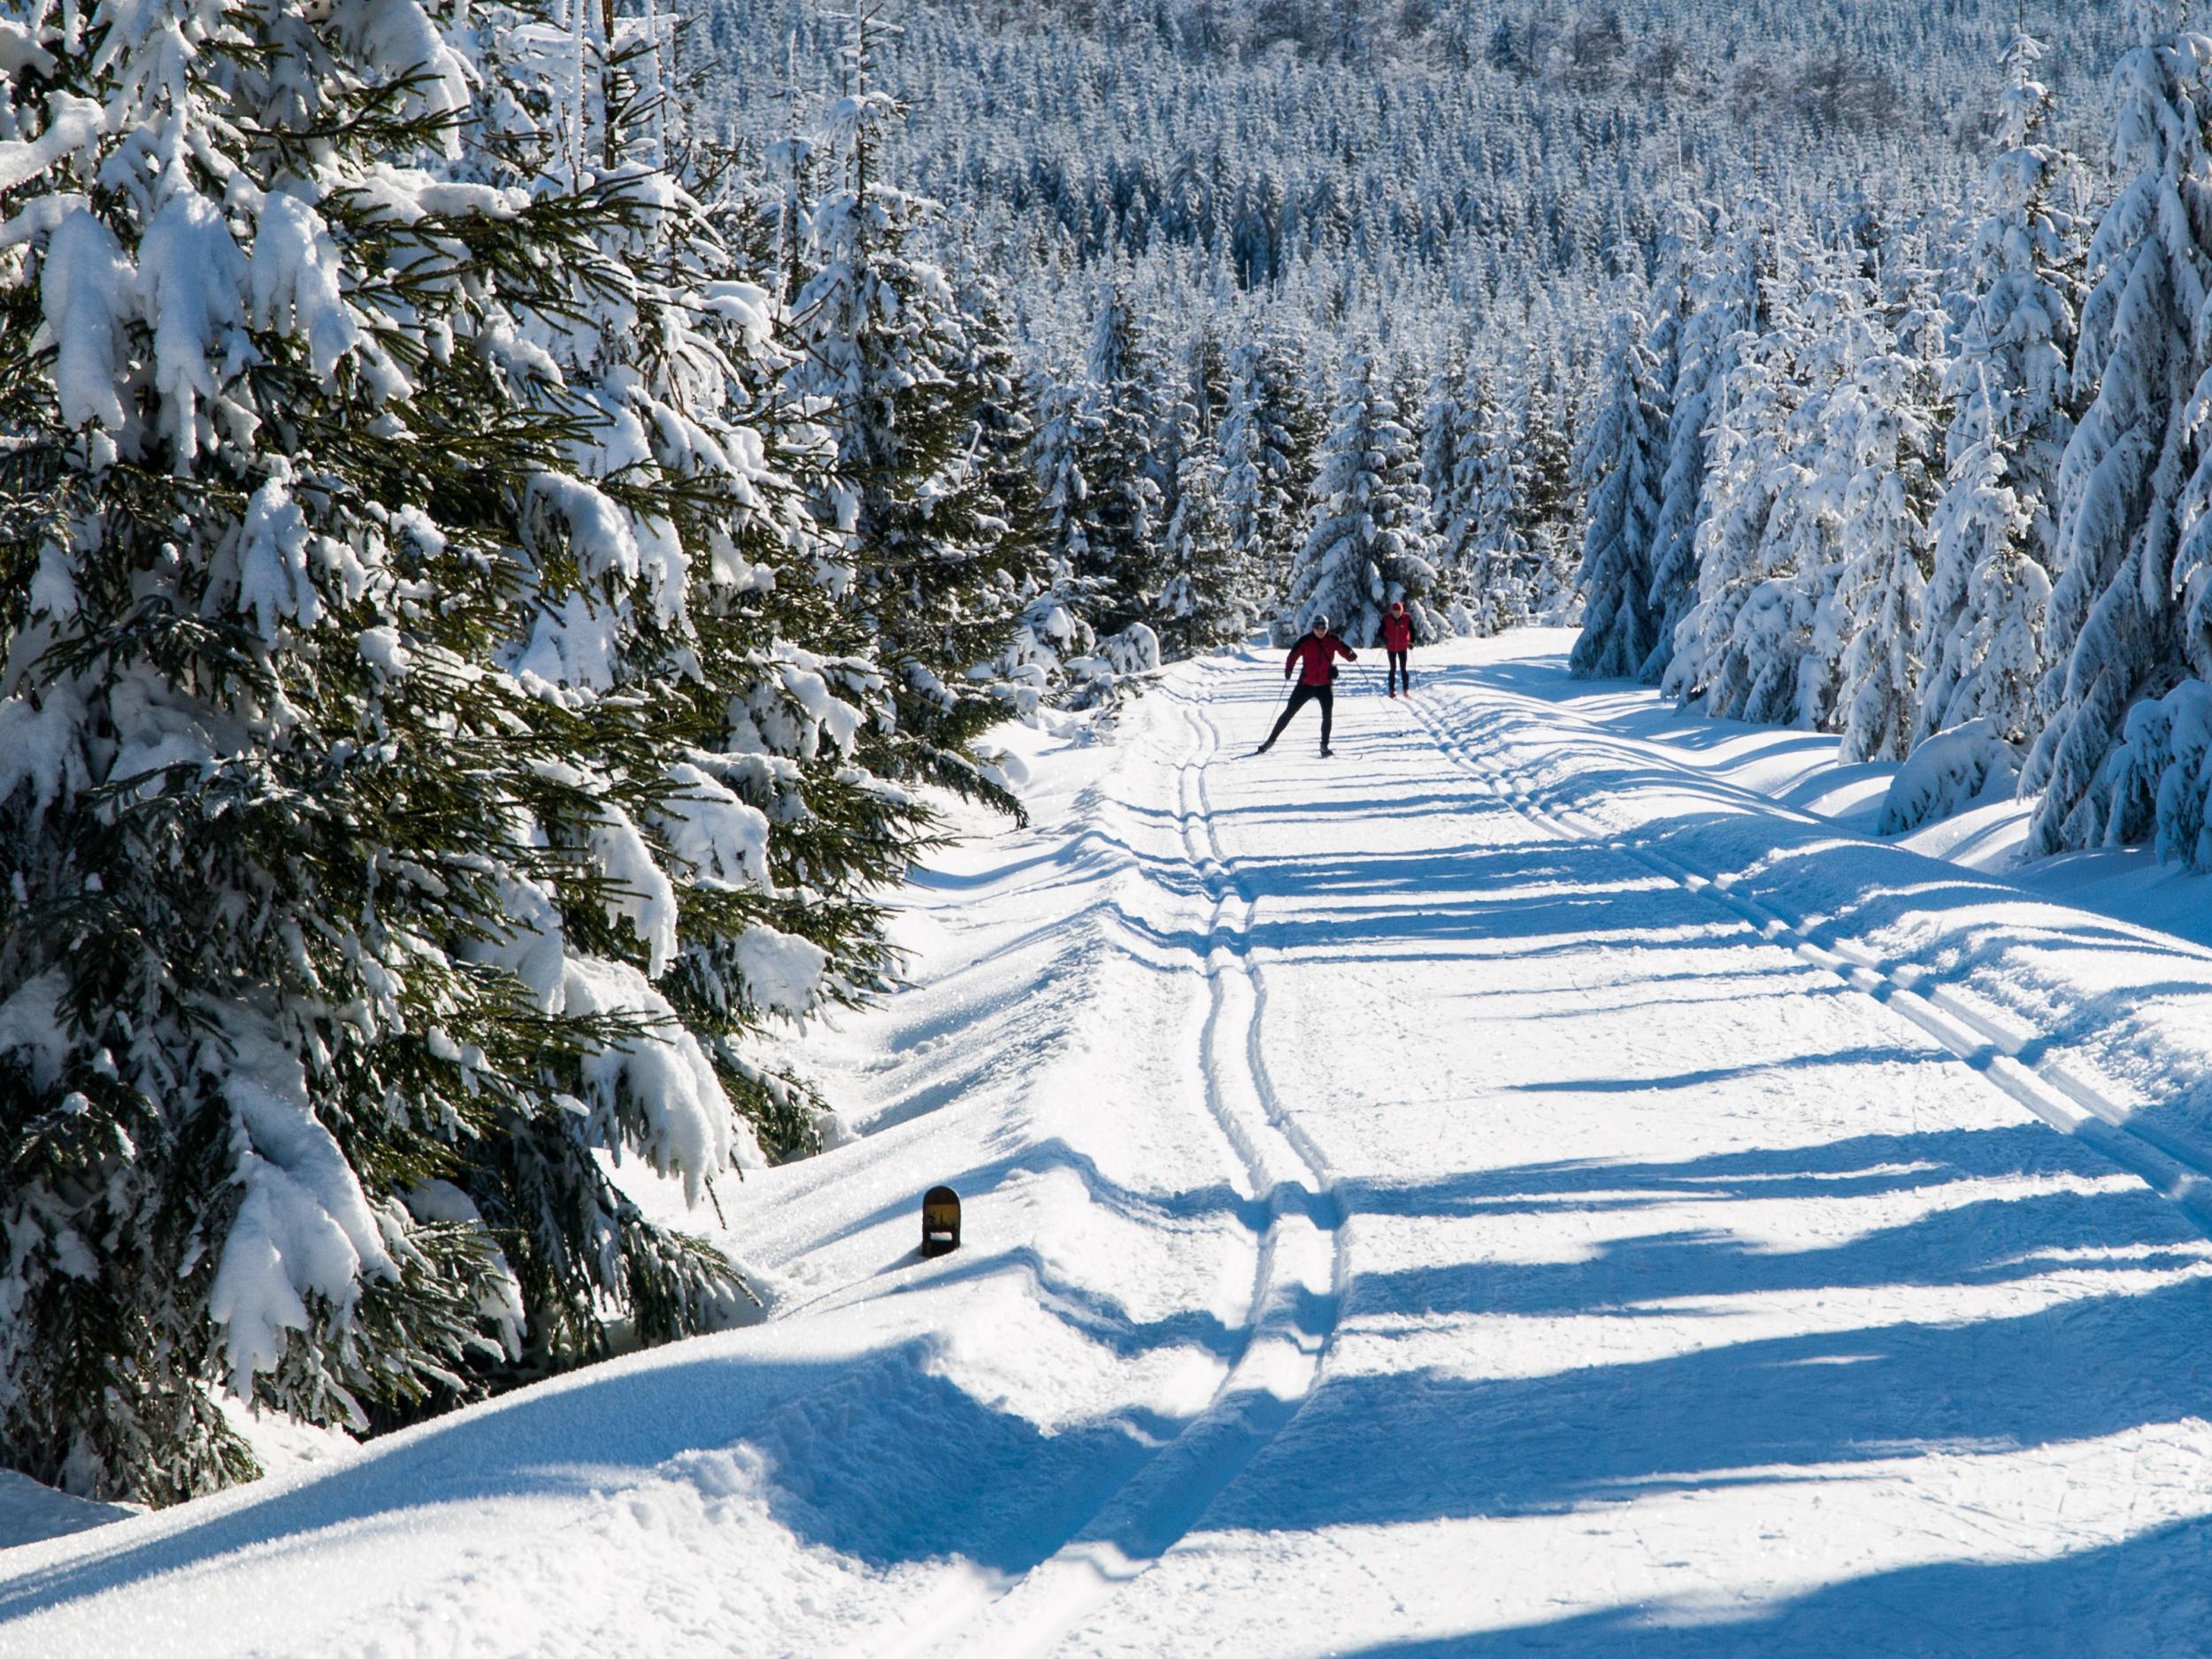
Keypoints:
pixel 1538 1181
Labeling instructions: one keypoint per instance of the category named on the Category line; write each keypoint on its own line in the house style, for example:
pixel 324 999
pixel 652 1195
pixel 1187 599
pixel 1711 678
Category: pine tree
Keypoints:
pixel 1500 565
pixel 1722 305
pixel 883 365
pixel 2016 412
pixel 1883 426
pixel 1267 454
pixel 1369 541
pixel 2132 483
pixel 334 925
pixel 1619 469
pixel 1113 447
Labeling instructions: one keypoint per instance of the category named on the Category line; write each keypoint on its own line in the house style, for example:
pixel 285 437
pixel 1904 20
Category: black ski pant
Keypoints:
pixel 1325 696
pixel 1398 676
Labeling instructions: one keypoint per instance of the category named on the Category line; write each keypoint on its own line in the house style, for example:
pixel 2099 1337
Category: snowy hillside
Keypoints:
pixel 1544 1180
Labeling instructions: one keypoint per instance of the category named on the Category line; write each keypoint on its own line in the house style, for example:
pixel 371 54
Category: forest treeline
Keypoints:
pixel 1942 487
pixel 1241 166
pixel 489 580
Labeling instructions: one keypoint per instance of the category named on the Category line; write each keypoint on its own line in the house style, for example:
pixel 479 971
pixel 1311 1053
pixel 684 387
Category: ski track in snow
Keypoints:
pixel 1507 1189
pixel 1294 1305
pixel 2177 1170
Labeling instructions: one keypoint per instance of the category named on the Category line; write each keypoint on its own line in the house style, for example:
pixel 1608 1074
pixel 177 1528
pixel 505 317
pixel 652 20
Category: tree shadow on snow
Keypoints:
pixel 880 1459
pixel 2148 1595
pixel 1417 1444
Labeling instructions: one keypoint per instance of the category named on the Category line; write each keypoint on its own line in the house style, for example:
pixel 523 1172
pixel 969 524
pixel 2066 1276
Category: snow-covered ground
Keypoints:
pixel 1542 1180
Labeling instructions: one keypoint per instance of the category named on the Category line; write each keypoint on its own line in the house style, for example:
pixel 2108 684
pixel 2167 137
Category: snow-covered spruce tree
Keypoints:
pixel 1201 605
pixel 1623 449
pixel 1177 427
pixel 1500 583
pixel 2133 489
pixel 1995 533
pixel 330 931
pixel 1369 539
pixel 1721 306
pixel 1767 543
pixel 1254 493
pixel 1440 437
pixel 711 601
pixel 1994 659
pixel 1802 627
pixel 1205 389
pixel 1113 443
pixel 1056 450
pixel 1552 501
pixel 1266 457
pixel 1472 414
pixel 940 575
pixel 1738 499
pixel 1050 628
pixel 775 236
pixel 1203 597
pixel 1055 632
pixel 2159 776
pixel 633 341
pixel 1882 429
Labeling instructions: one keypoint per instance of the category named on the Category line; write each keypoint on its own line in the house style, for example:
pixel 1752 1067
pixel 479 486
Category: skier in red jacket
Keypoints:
pixel 1397 641
pixel 1314 659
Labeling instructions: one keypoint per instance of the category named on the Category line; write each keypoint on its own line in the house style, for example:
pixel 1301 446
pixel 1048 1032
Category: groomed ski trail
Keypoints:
pixel 1664 1338
pixel 2176 1169
pixel 1498 1191
pixel 1294 1300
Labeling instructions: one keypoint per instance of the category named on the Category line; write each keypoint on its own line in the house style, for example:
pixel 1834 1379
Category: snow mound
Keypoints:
pixel 1135 650
pixel 1955 769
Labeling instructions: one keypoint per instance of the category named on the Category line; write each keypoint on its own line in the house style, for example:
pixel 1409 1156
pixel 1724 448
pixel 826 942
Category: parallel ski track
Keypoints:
pixel 2179 1173
pixel 1298 1289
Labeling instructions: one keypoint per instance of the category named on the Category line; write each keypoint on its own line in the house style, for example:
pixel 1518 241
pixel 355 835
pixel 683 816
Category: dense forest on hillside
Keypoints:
pixel 1416 170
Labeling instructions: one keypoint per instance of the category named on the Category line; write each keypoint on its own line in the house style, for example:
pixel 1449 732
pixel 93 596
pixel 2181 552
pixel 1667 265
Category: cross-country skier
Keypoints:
pixel 1397 641
pixel 1314 660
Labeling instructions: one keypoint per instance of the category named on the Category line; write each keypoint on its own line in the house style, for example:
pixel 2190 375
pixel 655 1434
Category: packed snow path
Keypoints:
pixel 1511 1187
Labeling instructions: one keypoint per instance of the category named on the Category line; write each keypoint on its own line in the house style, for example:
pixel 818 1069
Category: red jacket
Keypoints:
pixel 1397 632
pixel 1317 656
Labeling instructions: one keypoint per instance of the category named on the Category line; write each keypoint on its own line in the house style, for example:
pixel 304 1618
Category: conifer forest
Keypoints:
pixel 524 523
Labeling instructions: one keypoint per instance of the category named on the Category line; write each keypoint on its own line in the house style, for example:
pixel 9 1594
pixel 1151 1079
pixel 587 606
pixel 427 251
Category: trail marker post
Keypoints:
pixel 940 1221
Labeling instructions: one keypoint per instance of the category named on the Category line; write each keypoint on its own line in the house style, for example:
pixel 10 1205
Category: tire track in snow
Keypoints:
pixel 2176 1171
pixel 1296 1294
